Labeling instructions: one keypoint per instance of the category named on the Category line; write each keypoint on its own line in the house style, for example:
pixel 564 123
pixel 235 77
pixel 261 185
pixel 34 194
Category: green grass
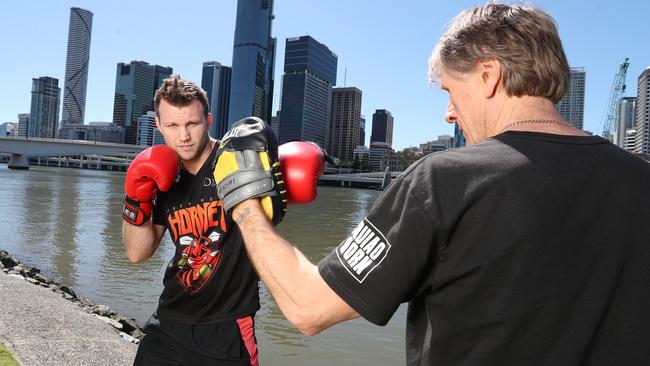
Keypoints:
pixel 6 359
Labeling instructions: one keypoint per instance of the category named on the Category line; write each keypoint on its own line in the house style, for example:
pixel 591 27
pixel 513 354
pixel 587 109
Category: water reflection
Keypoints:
pixel 318 227
pixel 35 224
pixel 65 207
pixel 67 222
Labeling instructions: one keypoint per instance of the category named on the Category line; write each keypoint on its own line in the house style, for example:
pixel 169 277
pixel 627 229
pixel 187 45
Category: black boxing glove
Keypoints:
pixel 247 166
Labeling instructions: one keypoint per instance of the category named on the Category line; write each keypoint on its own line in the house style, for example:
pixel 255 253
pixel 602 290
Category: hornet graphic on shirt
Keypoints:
pixel 198 232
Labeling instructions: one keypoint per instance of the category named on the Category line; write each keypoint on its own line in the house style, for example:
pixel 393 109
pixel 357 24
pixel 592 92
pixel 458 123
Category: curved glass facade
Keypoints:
pixel 76 67
pixel 253 58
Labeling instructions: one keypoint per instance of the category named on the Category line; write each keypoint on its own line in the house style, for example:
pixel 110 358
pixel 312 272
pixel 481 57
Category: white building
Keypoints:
pixel 9 129
pixel 381 155
pixel 642 143
pixel 625 119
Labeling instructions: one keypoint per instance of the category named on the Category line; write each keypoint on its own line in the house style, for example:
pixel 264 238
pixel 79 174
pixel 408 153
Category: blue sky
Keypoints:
pixel 383 45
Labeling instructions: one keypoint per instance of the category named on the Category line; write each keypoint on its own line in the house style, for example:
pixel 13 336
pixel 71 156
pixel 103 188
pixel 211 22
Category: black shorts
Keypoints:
pixel 166 342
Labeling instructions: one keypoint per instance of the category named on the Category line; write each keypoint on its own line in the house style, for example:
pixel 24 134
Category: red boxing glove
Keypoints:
pixel 302 163
pixel 155 168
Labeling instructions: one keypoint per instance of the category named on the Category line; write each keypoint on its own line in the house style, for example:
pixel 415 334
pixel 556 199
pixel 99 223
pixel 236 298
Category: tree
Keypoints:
pixel 405 158
pixel 365 163
pixel 356 164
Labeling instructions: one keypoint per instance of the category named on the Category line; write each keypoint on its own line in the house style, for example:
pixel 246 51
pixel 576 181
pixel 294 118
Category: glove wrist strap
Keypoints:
pixel 133 213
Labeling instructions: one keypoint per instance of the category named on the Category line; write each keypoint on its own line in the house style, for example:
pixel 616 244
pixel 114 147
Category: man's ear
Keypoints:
pixel 490 74
pixel 158 122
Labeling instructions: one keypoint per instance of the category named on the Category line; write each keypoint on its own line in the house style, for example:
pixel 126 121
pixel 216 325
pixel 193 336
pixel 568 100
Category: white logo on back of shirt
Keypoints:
pixel 363 250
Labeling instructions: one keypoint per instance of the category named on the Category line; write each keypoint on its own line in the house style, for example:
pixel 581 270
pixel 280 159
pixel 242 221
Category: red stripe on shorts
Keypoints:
pixel 247 330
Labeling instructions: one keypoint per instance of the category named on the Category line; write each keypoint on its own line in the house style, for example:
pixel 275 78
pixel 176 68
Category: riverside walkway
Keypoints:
pixel 40 327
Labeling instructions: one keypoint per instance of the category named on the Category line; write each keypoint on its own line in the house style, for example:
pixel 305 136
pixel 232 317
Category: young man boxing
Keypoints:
pixel 210 296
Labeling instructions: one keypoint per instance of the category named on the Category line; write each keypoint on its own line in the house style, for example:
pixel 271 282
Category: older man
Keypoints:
pixel 530 246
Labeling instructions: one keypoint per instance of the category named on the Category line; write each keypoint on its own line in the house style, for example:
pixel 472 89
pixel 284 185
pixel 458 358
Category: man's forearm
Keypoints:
pixel 140 242
pixel 300 292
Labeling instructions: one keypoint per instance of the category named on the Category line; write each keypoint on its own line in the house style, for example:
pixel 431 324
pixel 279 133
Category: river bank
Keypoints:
pixel 68 224
pixel 43 322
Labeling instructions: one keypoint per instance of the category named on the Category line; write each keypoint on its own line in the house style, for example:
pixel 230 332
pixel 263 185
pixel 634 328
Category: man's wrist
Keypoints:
pixel 244 209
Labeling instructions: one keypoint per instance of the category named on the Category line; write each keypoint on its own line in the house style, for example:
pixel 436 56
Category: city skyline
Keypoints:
pixel 597 38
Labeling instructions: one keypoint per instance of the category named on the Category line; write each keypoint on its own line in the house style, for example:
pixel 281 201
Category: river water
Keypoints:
pixel 67 222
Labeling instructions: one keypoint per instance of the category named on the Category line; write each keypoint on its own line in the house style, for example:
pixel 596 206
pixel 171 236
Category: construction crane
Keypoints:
pixel 618 87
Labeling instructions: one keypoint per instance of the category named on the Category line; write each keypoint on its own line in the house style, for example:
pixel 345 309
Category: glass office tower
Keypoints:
pixel 253 60
pixel 309 75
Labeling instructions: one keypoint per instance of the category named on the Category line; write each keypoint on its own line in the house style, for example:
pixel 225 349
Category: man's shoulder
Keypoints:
pixel 487 152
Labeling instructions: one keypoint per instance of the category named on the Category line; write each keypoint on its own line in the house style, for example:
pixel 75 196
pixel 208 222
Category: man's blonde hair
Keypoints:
pixel 523 39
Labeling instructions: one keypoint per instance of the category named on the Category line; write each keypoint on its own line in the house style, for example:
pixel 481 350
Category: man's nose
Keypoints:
pixel 450 115
pixel 185 134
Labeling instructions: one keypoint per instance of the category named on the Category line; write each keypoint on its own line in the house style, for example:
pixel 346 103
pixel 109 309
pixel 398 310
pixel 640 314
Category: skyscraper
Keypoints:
pixel 362 131
pixel 572 105
pixel 275 125
pixel 459 138
pixel 382 127
pixel 624 119
pixel 44 114
pixel 23 124
pixel 642 143
pixel 135 85
pixel 215 81
pixel 309 75
pixel 76 66
pixel 146 128
pixel 253 59
pixel 345 120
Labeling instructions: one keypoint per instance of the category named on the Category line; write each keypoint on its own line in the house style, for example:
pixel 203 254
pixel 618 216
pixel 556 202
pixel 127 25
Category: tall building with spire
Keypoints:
pixel 309 75
pixel 253 60
pixel 572 105
pixel 76 66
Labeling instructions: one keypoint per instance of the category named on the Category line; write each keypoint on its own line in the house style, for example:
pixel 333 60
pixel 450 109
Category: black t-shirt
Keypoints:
pixel 210 278
pixel 526 249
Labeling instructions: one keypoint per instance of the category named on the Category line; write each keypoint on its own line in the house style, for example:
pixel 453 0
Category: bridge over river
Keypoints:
pixel 98 155
pixel 85 152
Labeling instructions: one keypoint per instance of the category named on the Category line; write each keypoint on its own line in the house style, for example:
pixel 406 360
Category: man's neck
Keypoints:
pixel 193 166
pixel 534 114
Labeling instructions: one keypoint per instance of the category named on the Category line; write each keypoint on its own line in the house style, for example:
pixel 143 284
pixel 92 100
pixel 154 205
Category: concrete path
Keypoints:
pixel 40 327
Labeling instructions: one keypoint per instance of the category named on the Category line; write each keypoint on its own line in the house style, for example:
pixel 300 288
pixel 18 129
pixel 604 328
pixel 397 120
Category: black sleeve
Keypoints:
pixel 386 258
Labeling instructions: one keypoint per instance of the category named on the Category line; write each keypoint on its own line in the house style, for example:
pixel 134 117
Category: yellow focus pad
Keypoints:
pixel 226 164
pixel 267 206
pixel 264 157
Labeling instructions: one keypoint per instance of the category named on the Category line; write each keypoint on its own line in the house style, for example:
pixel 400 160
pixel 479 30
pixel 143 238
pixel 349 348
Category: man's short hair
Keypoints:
pixel 523 39
pixel 180 92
